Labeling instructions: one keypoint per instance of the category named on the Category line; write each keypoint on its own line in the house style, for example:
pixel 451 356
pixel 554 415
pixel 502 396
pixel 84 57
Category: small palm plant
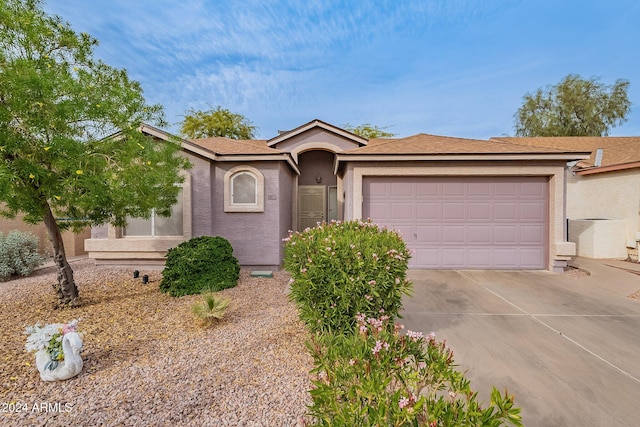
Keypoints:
pixel 211 309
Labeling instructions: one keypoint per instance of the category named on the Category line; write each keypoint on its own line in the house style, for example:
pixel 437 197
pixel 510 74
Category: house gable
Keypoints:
pixel 316 135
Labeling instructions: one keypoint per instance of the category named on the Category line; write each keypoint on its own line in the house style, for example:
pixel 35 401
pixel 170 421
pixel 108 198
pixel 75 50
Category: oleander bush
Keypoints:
pixel 380 377
pixel 340 269
pixel 18 254
pixel 200 263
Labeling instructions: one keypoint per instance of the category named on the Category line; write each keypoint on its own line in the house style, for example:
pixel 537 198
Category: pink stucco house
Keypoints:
pixel 459 203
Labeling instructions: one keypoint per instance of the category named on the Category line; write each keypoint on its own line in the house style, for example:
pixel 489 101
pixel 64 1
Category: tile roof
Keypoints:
pixel 228 146
pixel 434 144
pixel 616 150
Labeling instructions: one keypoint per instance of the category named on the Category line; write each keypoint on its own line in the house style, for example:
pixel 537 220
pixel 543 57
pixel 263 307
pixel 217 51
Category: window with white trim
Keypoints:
pixel 243 190
pixel 156 225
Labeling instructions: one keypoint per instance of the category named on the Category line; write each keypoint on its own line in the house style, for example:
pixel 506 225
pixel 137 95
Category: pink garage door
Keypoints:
pixel 466 222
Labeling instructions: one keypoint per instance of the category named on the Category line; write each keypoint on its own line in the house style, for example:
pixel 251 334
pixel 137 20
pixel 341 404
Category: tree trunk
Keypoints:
pixel 66 287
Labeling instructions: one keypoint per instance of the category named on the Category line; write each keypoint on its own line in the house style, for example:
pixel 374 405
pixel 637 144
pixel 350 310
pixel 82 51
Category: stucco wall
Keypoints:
pixel 559 249
pixel 286 177
pixel 316 135
pixel 255 236
pixel 312 163
pixel 201 196
pixel 609 195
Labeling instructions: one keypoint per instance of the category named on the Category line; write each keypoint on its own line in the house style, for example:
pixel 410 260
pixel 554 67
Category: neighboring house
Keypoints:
pixel 459 203
pixel 603 193
pixel 73 243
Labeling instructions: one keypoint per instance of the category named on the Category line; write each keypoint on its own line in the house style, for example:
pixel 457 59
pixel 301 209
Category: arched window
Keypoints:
pixel 243 190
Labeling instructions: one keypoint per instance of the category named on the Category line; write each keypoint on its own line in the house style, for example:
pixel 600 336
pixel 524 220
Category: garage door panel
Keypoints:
pixel 401 189
pixel 479 235
pixel 505 235
pixel 464 222
pixel 532 211
pixel 453 234
pixel 505 211
pixel 428 234
pixel 480 189
pixel 479 211
pixel 402 211
pixel 425 258
pixel 427 211
pixel 506 189
pixel 453 211
pixel 506 258
pixel 380 211
pixel 454 258
pixel 480 258
pixel 532 234
pixel 427 189
pixel 453 189
pixel 531 189
pixel 531 257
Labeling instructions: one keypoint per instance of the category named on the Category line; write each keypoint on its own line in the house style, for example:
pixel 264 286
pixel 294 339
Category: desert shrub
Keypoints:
pixel 199 263
pixel 340 269
pixel 19 254
pixel 211 309
pixel 380 377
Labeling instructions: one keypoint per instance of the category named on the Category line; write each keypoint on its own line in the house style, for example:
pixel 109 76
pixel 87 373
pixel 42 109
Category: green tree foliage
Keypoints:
pixel 58 105
pixel 217 122
pixel 574 107
pixel 369 131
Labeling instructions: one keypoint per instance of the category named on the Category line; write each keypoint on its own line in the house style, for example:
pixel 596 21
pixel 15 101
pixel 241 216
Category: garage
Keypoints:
pixel 478 222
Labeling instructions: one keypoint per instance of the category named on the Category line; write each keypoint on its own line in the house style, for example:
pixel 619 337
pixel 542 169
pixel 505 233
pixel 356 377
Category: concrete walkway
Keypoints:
pixel 567 348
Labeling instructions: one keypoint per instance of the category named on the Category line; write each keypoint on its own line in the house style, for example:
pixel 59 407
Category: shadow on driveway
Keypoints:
pixel 568 349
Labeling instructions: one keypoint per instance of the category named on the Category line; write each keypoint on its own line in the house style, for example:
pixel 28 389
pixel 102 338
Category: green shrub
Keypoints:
pixel 344 268
pixel 200 263
pixel 19 254
pixel 379 377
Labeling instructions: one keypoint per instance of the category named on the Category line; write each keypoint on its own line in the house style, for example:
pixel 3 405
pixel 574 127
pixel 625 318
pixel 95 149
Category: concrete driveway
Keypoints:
pixel 567 348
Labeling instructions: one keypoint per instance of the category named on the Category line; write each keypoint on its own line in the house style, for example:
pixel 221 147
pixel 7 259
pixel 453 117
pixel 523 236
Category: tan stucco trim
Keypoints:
pixel 308 146
pixel 259 206
pixel 558 247
pixel 456 157
pixel 258 158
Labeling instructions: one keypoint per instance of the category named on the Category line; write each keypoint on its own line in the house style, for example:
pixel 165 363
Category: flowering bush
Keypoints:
pixel 379 376
pixel 343 268
pixel 49 338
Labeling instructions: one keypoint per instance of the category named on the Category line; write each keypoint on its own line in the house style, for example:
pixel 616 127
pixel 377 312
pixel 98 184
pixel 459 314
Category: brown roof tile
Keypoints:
pixel 616 150
pixel 434 144
pixel 220 145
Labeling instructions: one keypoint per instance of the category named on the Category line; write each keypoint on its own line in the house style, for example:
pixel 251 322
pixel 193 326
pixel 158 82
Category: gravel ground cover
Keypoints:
pixel 148 362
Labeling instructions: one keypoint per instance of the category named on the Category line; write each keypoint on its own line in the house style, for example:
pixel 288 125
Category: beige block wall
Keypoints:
pixel 73 243
pixel 610 195
pixel 604 196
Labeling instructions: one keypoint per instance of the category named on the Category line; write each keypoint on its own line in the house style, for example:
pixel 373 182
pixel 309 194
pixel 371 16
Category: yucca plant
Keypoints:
pixel 211 309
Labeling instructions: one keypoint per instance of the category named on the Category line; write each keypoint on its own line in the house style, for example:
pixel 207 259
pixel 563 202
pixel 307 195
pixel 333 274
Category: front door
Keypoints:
pixel 311 205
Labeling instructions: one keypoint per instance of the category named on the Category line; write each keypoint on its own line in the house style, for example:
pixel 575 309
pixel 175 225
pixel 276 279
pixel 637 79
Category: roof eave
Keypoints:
pixel 610 168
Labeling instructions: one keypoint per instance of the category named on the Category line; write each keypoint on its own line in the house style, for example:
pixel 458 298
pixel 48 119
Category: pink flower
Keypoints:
pixel 422 365
pixel 415 336
pixel 372 282
pixel 403 402
pixel 376 349
pixel 352 362
pixel 303 270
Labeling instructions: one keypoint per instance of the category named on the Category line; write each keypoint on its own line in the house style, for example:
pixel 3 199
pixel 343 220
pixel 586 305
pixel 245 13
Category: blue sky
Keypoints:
pixel 444 67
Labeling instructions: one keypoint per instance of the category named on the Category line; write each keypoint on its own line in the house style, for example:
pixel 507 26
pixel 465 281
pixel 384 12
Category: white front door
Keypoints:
pixel 311 205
